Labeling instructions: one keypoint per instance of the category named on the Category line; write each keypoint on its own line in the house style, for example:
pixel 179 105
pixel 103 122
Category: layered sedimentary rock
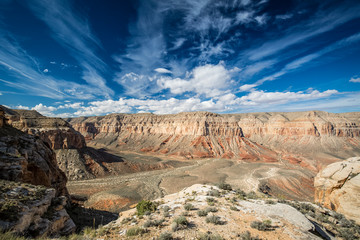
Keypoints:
pixel 337 187
pixel 26 158
pixel 54 131
pixel 249 136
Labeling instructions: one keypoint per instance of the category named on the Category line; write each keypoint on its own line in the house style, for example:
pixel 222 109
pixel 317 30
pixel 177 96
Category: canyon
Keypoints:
pixel 117 160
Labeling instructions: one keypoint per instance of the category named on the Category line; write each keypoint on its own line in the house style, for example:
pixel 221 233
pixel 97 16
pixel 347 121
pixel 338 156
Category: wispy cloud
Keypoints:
pixel 355 79
pixel 323 22
pixel 22 72
pixel 73 32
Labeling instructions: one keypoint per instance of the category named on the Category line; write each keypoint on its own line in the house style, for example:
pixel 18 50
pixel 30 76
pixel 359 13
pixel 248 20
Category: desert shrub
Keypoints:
pixel 189 207
pixel 166 214
pixel 145 207
pixel 347 234
pixel 247 236
pixel 211 209
pixel 134 231
pixel 252 195
pixel 181 220
pixel 224 186
pixel 126 220
pixel 175 227
pixel 202 213
pixel 233 208
pixel 240 193
pixel 338 216
pixel 185 214
pixel 153 223
pixel 208 236
pixel 270 202
pixel 166 208
pixel 261 226
pixel 213 219
pixel 211 201
pixel 322 218
pixel 213 193
pixel 9 236
pixel 165 236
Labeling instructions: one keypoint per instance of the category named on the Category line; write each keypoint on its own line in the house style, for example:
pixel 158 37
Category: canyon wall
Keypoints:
pixel 249 136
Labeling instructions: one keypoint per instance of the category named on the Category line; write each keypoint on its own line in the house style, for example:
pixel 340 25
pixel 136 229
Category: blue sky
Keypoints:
pixel 91 57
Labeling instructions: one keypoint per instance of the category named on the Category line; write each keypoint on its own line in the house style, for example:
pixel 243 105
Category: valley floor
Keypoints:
pixel 118 193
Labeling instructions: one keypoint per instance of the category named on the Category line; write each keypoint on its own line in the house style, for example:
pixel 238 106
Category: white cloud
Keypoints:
pixel 224 103
pixel 209 80
pixel 261 97
pixel 247 87
pixel 76 105
pixel 21 107
pixel 45 110
pixel 355 79
pixel 53 62
pixel 284 16
pixel 162 70
pixel 46 70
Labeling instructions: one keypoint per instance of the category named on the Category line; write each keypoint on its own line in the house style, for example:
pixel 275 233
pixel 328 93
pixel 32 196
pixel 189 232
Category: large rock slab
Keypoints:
pixel 337 187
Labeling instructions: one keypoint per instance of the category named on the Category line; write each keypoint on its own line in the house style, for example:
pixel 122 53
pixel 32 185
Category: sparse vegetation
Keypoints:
pixel 247 236
pixel 211 209
pixel 224 186
pixel 214 193
pixel 209 236
pixel 181 220
pixel 270 202
pixel 9 236
pixel 153 223
pixel 262 226
pixel 214 220
pixel 202 213
pixel 252 195
pixel 211 201
pixel 165 236
pixel 134 231
pixel 145 207
pixel 189 207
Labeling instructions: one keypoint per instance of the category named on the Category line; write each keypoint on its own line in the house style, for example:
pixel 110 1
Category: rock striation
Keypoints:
pixel 26 158
pixel 54 131
pixel 337 187
pixel 250 136
pixel 32 187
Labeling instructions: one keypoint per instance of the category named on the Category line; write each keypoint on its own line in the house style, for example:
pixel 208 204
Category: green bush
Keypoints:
pixel 134 231
pixel 240 193
pixel 189 207
pixel 247 236
pixel 181 220
pixel 252 195
pixel 213 193
pixel 225 186
pixel 153 223
pixel 270 202
pixel 202 213
pixel 262 226
pixel 211 209
pixel 165 236
pixel 144 207
pixel 207 236
pixel 213 219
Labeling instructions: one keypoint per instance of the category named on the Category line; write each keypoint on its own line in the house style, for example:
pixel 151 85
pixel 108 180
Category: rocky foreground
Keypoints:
pixel 210 212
